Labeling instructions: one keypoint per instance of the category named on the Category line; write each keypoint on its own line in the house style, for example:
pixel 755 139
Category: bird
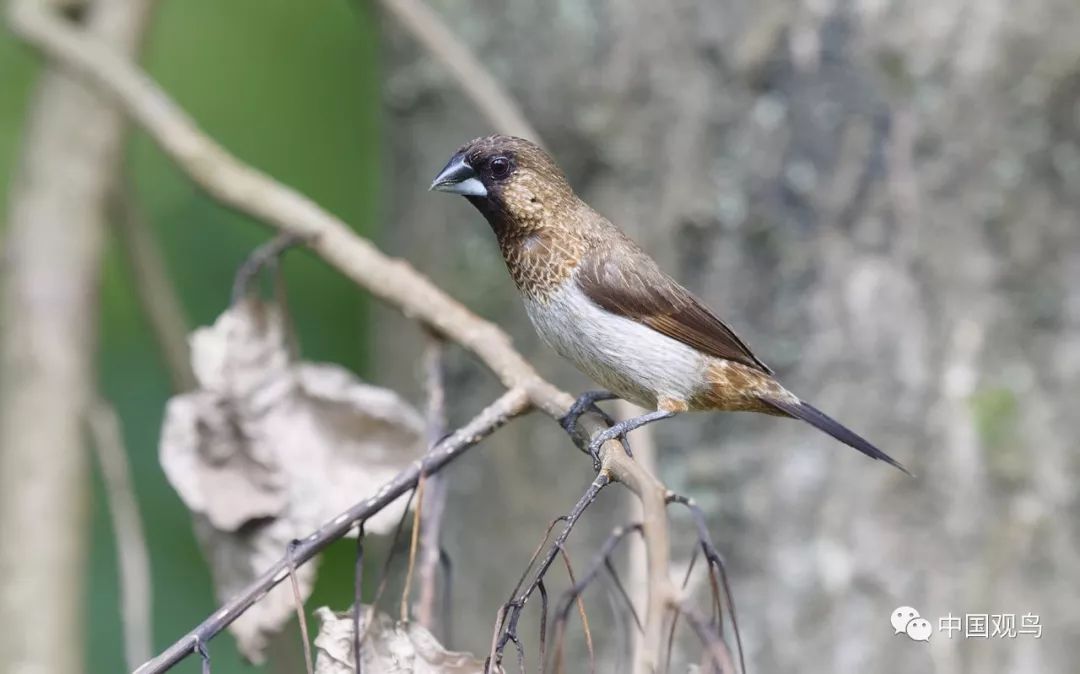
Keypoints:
pixel 603 303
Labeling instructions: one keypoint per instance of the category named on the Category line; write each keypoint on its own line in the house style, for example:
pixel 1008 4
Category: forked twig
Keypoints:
pixel 712 556
pixel 562 612
pixel 384 575
pixel 508 627
pixel 675 617
pixel 715 646
pixel 581 612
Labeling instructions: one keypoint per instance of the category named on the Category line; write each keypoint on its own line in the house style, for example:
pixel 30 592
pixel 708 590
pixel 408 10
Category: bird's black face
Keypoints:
pixel 513 183
pixel 478 172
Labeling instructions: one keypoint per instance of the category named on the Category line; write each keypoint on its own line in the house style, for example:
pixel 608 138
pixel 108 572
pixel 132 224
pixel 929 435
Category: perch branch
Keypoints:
pixel 395 282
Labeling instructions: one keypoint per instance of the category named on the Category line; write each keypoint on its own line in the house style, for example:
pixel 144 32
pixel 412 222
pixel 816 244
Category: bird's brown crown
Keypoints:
pixel 539 221
pixel 526 189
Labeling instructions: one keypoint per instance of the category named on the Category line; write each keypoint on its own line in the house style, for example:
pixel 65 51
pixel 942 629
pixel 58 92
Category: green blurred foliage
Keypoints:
pixel 291 87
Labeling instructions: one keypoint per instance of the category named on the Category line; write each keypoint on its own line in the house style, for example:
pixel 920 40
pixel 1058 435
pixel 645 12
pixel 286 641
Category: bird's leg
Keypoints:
pixel 587 401
pixel 620 430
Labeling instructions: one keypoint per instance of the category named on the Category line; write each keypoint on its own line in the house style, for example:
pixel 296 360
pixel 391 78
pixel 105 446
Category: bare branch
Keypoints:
pixel 358 598
pixel 298 601
pixel 153 287
pixel 511 404
pixel 475 80
pixel 714 645
pixel 414 545
pixel 136 591
pixel 714 561
pixel 433 505
pixel 603 560
pixel 508 627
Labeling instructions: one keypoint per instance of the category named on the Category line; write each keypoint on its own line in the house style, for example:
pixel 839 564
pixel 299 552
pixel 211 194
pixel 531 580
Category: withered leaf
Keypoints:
pixel 390 647
pixel 268 449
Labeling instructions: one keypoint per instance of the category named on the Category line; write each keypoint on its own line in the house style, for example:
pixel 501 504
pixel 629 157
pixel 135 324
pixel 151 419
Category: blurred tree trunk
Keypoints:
pixel 48 329
pixel 882 198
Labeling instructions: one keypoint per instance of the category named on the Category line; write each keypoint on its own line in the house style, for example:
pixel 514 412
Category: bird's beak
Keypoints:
pixel 458 177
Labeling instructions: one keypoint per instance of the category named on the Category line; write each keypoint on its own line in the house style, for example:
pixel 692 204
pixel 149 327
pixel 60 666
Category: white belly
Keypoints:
pixel 621 355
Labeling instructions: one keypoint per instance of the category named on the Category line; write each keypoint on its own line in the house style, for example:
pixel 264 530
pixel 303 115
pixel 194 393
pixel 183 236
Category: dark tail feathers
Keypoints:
pixel 824 422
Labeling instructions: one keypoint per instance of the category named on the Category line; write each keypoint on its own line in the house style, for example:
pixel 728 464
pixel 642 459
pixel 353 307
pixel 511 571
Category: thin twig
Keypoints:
pixel 433 503
pixel 581 612
pixel 509 405
pixel 358 597
pixel 448 584
pixel 384 576
pixel 562 612
pixel 153 286
pixel 517 605
pixel 675 617
pixel 136 590
pixel 298 603
pixel 475 80
pixel 714 645
pixel 623 593
pixel 259 258
pixel 504 610
pixel 414 541
pixel 712 556
pixel 199 647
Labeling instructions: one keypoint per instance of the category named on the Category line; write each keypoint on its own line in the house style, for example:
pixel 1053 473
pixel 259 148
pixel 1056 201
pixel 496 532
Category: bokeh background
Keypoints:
pixel 882 197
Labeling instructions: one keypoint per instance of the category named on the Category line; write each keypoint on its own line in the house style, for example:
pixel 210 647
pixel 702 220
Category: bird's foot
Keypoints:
pixel 620 430
pixel 603 436
pixel 585 402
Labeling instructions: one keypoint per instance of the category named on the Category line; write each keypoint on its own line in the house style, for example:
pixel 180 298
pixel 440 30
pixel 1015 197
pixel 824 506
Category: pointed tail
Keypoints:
pixel 824 422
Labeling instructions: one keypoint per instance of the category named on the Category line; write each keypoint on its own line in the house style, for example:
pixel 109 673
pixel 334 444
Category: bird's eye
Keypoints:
pixel 500 167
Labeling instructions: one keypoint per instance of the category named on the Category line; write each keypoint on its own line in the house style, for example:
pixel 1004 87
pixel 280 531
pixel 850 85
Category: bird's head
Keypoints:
pixel 510 180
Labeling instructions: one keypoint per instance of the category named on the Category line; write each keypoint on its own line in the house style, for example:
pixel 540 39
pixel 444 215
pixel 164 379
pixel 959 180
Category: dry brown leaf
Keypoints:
pixel 269 449
pixel 390 647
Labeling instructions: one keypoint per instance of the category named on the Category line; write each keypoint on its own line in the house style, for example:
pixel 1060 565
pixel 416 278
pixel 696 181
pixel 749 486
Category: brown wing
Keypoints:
pixel 625 281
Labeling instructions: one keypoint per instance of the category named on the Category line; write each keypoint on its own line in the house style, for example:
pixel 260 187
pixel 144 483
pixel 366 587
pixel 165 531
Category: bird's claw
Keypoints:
pixel 598 441
pixel 585 402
